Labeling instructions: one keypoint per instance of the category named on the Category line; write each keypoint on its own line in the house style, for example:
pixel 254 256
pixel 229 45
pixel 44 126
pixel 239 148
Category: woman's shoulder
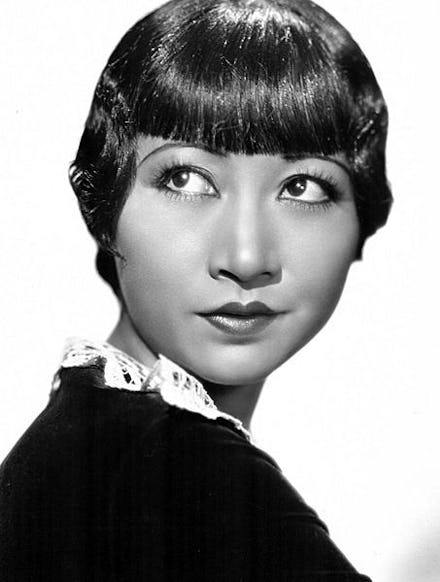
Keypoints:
pixel 136 469
pixel 117 371
pixel 108 414
pixel 103 402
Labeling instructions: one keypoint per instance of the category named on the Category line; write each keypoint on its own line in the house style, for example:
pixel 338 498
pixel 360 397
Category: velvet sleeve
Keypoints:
pixel 118 486
pixel 204 504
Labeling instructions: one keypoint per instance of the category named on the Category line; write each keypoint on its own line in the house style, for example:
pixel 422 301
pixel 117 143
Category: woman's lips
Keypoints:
pixel 240 324
pixel 240 319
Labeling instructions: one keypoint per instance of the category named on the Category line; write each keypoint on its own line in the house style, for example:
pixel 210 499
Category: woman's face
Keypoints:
pixel 201 230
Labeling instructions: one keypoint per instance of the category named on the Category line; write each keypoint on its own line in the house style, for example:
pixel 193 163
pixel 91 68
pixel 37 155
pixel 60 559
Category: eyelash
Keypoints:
pixel 327 182
pixel 164 173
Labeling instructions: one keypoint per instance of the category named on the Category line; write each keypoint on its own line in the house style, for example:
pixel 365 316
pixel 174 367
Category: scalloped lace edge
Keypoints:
pixel 176 386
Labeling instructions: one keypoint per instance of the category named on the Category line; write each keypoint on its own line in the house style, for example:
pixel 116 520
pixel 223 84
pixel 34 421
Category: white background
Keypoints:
pixel 353 418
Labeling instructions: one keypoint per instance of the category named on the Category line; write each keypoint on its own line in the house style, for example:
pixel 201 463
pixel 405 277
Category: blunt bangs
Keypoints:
pixel 220 82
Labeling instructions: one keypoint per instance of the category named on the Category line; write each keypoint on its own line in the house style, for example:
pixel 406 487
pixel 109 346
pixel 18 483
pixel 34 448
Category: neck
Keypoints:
pixel 237 400
pixel 125 338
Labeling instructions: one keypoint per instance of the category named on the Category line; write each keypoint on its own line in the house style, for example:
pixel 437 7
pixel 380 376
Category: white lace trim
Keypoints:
pixel 175 385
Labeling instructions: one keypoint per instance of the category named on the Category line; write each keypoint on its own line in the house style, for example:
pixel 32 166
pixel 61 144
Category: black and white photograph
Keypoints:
pixel 219 291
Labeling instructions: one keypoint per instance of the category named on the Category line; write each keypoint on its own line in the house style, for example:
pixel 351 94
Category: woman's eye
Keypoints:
pixel 305 189
pixel 189 181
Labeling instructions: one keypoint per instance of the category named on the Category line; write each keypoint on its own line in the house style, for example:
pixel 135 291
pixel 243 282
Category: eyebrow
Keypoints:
pixel 223 154
pixel 307 156
pixel 178 144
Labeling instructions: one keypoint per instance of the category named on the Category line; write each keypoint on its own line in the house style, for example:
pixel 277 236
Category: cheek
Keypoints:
pixel 162 255
pixel 319 265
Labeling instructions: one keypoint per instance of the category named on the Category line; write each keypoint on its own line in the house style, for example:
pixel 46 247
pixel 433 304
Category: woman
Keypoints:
pixel 231 169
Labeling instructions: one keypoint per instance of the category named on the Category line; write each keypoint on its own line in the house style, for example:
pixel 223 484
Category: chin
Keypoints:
pixel 236 371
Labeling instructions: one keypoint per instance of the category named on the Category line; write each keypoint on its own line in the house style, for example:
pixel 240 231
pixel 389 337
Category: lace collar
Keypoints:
pixel 175 385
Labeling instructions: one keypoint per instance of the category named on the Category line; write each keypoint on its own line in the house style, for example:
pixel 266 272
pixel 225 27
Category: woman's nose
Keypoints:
pixel 244 249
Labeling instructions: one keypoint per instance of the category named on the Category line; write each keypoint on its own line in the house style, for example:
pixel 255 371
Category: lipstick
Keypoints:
pixel 239 319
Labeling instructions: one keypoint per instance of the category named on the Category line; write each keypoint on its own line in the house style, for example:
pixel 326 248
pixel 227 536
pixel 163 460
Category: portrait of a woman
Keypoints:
pixel 231 169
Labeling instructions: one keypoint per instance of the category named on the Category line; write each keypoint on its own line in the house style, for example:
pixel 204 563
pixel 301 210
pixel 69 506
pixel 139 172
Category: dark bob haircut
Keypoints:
pixel 240 76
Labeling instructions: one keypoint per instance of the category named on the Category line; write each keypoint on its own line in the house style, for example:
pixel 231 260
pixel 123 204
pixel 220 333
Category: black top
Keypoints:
pixel 116 485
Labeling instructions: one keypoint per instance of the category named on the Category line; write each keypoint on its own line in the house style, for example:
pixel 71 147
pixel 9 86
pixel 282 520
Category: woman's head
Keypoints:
pixel 261 79
pixel 251 76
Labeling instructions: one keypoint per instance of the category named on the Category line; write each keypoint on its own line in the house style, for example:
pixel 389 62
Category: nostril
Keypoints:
pixel 242 278
pixel 228 275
